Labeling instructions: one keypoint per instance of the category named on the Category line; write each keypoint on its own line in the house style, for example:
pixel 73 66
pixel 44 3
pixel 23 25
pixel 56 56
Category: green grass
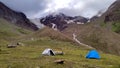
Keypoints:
pixel 116 27
pixel 29 56
pixel 9 30
pixel 103 24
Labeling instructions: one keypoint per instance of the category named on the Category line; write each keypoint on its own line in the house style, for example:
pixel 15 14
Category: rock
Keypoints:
pixel 58 52
pixel 59 61
pixel 19 44
pixel 11 46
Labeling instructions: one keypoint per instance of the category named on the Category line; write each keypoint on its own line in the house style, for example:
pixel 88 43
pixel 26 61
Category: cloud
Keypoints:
pixel 29 7
pixel 39 8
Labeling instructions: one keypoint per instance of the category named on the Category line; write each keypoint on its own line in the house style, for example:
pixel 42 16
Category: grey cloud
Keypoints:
pixel 39 8
pixel 29 7
pixel 90 8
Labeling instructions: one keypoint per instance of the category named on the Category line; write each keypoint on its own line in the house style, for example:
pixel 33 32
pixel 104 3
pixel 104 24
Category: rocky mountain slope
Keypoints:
pixel 16 18
pixel 111 18
pixel 113 12
pixel 59 21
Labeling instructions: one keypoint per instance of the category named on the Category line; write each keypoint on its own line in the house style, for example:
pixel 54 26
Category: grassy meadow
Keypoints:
pixel 29 56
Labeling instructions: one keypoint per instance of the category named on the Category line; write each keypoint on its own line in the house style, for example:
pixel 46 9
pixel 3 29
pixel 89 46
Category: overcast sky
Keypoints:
pixel 39 8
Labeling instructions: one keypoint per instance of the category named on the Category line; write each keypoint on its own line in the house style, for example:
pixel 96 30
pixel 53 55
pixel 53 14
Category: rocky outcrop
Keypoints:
pixel 17 18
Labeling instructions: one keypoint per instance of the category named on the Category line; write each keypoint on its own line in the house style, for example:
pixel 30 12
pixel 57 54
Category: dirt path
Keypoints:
pixel 75 38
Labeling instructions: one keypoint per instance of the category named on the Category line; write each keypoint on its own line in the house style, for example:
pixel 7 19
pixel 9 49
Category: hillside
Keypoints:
pixel 16 18
pixel 47 32
pixel 113 12
pixel 96 36
pixel 111 18
pixel 10 32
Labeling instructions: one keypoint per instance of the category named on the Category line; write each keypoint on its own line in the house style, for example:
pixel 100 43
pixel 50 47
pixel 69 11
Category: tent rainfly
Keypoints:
pixel 93 54
pixel 48 52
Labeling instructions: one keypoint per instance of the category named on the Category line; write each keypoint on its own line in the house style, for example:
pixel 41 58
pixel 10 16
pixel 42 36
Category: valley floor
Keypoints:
pixel 29 56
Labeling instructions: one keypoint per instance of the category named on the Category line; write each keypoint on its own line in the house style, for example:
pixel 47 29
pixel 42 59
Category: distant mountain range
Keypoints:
pixel 59 21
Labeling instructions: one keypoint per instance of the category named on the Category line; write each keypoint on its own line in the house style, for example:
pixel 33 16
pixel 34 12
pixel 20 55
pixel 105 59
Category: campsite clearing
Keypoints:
pixel 30 56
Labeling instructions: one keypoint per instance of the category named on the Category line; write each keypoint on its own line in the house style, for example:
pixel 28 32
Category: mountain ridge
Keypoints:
pixel 59 21
pixel 16 18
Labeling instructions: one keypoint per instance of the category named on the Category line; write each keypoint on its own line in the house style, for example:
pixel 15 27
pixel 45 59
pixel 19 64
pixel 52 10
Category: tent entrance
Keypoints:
pixel 51 53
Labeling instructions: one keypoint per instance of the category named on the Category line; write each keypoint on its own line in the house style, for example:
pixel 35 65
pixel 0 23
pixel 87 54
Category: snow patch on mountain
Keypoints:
pixel 54 26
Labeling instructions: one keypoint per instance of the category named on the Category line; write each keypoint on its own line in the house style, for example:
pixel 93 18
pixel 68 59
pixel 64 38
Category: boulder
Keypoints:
pixel 19 44
pixel 59 61
pixel 11 46
pixel 58 52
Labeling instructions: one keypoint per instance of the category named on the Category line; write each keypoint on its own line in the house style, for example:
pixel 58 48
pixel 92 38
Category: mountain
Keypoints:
pixel 102 32
pixel 111 18
pixel 59 21
pixel 16 18
pixel 113 12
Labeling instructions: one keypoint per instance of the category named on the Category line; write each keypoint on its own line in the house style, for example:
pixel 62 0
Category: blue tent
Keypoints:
pixel 93 54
